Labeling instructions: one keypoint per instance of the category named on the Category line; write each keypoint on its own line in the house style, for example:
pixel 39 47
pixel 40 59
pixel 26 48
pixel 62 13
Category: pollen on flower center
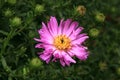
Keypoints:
pixel 62 42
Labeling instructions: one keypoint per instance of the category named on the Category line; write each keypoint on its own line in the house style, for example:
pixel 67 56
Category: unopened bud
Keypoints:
pixel 16 21
pixel 94 32
pixel 81 10
pixel 100 17
pixel 8 13
pixel 35 63
pixel 39 9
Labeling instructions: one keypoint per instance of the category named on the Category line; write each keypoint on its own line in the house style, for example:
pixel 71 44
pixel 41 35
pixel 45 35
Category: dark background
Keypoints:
pixel 20 20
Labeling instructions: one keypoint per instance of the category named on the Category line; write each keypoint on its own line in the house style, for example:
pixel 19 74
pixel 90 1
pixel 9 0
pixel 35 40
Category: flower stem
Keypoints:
pixel 6 42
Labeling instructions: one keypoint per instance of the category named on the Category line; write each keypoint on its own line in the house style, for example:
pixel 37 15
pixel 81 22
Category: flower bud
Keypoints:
pixel 16 21
pixel 102 66
pixel 12 2
pixel 35 63
pixel 8 13
pixel 81 10
pixel 94 32
pixel 39 9
pixel 100 17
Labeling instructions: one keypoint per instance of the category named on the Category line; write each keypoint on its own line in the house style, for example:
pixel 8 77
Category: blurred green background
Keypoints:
pixel 20 20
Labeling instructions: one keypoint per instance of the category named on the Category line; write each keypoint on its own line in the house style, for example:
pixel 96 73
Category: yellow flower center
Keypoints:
pixel 62 42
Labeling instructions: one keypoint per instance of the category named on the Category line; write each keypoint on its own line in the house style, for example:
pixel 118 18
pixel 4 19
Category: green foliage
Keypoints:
pixel 20 20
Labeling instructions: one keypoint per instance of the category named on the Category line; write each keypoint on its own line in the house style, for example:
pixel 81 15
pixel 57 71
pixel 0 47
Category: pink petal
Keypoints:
pixel 39 45
pixel 57 54
pixel 62 62
pixel 75 33
pixel 50 29
pixel 67 58
pixel 44 33
pixel 80 52
pixel 71 28
pixel 71 54
pixel 44 57
pixel 81 35
pixel 48 60
pixel 54 25
pixel 74 37
pixel 66 25
pixel 60 28
pixel 79 40
pixel 49 46
pixel 45 29
pixel 54 59
pixel 78 30
pixel 47 41
pixel 37 39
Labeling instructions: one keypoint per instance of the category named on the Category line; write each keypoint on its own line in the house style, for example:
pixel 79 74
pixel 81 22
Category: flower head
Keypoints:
pixel 62 42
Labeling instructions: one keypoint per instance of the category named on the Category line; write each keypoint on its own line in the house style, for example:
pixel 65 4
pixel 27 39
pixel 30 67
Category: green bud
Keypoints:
pixel 16 21
pixel 35 63
pixel 100 17
pixel 12 2
pixel 39 9
pixel 94 32
pixel 8 13
pixel 81 10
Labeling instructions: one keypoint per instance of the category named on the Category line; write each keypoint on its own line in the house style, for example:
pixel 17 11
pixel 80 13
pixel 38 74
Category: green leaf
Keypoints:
pixel 3 32
pixel 4 64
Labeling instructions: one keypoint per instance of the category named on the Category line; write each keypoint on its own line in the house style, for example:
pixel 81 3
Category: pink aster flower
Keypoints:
pixel 62 42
